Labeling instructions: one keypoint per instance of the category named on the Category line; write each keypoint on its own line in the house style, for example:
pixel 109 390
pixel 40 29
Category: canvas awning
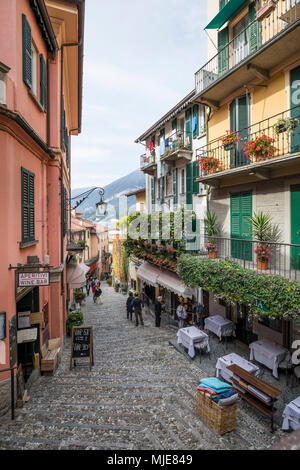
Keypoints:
pixel 225 14
pixel 76 275
pixel 148 274
pixel 172 283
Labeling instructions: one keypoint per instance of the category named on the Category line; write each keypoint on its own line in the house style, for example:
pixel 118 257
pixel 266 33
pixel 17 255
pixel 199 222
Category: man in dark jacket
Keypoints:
pixel 129 306
pixel 137 305
pixel 158 308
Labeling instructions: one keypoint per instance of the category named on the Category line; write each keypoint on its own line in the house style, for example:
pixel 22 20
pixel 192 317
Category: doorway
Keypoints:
pixel 244 327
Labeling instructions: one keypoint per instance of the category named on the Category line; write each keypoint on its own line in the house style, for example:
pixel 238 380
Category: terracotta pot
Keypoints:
pixel 262 265
pixel 213 254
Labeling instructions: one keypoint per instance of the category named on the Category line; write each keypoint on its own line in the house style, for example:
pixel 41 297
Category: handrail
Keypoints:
pixel 12 389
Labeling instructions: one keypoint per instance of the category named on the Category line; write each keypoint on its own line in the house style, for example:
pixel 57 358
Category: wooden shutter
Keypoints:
pixel 254 30
pixel 174 133
pixel 43 83
pixel 196 116
pixel 175 187
pixel 295 226
pixel 223 39
pixel 27 52
pixel 188 129
pixel 153 191
pixel 240 211
pixel 162 189
pixel 64 210
pixel 27 191
pixel 195 175
pixel 189 184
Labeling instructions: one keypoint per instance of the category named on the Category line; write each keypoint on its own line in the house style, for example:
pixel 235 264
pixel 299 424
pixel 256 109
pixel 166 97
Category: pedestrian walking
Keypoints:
pixel 137 305
pixel 94 290
pixel 98 293
pixel 158 309
pixel 88 286
pixel 129 306
pixel 181 314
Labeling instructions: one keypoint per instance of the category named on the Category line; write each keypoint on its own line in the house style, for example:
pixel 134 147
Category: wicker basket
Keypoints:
pixel 222 419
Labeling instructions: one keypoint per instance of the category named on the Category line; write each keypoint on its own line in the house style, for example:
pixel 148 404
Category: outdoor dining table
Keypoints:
pixel 220 326
pixel 191 335
pixel 230 359
pixel 268 353
pixel 291 415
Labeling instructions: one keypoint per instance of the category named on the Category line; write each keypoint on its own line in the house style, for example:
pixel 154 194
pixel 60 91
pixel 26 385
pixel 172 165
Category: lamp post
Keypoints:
pixel 101 206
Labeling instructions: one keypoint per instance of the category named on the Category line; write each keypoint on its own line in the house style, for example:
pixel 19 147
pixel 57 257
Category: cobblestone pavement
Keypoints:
pixel 139 395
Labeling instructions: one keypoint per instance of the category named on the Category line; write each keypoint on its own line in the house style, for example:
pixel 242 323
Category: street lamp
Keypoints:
pixel 101 206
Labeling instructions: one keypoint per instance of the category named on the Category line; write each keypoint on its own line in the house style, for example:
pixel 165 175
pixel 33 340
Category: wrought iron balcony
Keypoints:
pixel 148 162
pixel 252 52
pixel 256 150
pixel 281 259
pixel 177 146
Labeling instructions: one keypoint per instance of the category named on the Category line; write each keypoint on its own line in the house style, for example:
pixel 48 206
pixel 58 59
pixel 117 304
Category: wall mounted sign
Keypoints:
pixel 24 320
pixel 36 318
pixel 27 335
pixel 82 344
pixel 33 279
pixel 2 325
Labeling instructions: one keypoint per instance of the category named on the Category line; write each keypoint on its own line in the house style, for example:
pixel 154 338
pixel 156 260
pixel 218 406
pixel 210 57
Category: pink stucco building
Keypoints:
pixel 41 60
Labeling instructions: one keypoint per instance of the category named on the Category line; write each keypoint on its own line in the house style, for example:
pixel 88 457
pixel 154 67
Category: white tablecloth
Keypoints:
pixel 268 353
pixel 291 415
pixel 228 360
pixel 191 335
pixel 220 326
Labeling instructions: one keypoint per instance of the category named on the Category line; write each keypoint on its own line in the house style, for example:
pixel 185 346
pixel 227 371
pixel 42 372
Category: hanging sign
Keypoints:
pixel 33 279
pixel 82 344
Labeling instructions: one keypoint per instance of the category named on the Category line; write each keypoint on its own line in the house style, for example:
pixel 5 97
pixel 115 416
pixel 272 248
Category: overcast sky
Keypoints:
pixel 140 60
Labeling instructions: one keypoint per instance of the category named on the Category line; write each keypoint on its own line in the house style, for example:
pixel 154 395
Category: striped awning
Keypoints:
pixel 148 274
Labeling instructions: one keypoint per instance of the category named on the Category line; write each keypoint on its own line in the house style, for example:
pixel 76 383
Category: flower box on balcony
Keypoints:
pixel 265 10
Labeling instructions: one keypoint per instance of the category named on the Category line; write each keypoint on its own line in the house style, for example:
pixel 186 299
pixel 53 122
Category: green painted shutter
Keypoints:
pixel 295 108
pixel 254 30
pixel 239 122
pixel 196 116
pixel 174 132
pixel 240 211
pixel 27 52
pixel 189 184
pixel 295 225
pixel 27 201
pixel 175 187
pixel 223 39
pixel 162 189
pixel 153 191
pixel 195 175
pixel 43 83
pixel 188 129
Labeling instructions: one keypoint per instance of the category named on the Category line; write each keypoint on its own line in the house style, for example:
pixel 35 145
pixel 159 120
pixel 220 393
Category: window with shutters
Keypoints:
pixel 43 83
pixel 34 70
pixel 182 182
pixel 27 204
pixel 27 52
pixel 64 210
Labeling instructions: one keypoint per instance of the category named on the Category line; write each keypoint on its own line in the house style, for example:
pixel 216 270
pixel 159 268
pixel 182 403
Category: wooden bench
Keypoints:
pixel 50 356
pixel 244 380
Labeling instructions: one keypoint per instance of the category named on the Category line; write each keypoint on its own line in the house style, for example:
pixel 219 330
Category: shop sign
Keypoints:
pixel 82 344
pixel 33 279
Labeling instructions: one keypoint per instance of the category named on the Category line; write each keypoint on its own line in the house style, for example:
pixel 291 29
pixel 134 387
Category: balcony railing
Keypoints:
pixel 274 137
pixel 247 42
pixel 178 140
pixel 282 259
pixel 146 159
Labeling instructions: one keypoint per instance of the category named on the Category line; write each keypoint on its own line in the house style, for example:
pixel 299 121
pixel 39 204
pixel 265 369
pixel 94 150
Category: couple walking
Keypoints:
pixel 135 304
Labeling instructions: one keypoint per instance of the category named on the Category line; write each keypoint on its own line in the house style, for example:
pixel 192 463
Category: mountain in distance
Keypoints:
pixel 114 196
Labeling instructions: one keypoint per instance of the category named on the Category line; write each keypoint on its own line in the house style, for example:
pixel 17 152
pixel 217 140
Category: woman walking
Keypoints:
pixel 181 314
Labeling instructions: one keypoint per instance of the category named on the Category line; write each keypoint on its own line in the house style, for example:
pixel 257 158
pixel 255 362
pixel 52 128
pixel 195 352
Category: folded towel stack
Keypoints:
pixel 221 391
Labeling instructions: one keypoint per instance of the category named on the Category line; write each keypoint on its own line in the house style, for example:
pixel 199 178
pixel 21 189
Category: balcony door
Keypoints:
pixel 295 225
pixel 241 40
pixel 240 211
pixel 239 122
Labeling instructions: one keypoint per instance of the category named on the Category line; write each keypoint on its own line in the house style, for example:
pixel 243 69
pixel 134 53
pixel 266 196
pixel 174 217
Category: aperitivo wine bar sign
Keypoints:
pixel 33 279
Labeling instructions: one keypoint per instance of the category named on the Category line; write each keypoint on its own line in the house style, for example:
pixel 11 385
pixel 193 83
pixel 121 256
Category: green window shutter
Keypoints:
pixel 64 210
pixel 153 191
pixel 195 175
pixel 196 120
pixel 174 125
pixel 162 190
pixel 188 129
pixel 43 83
pixel 295 226
pixel 189 184
pixel 240 211
pixel 174 133
pixel 295 110
pixel 27 52
pixel 223 56
pixel 27 203
pixel 254 30
pixel 175 186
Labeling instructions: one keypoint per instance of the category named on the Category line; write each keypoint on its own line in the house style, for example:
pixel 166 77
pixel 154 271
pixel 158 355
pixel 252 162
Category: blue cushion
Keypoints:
pixel 216 384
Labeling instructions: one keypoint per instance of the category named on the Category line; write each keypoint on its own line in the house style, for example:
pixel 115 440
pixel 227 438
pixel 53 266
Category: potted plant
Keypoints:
pixel 74 318
pixel 230 140
pixel 263 232
pixel 79 296
pixel 260 149
pixel 288 125
pixel 109 281
pixel 212 229
pixel 209 165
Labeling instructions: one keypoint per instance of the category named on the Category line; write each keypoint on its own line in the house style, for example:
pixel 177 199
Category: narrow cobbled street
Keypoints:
pixel 140 394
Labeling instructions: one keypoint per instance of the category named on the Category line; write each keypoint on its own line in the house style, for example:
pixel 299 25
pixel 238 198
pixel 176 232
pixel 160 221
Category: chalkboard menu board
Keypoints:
pixel 82 344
